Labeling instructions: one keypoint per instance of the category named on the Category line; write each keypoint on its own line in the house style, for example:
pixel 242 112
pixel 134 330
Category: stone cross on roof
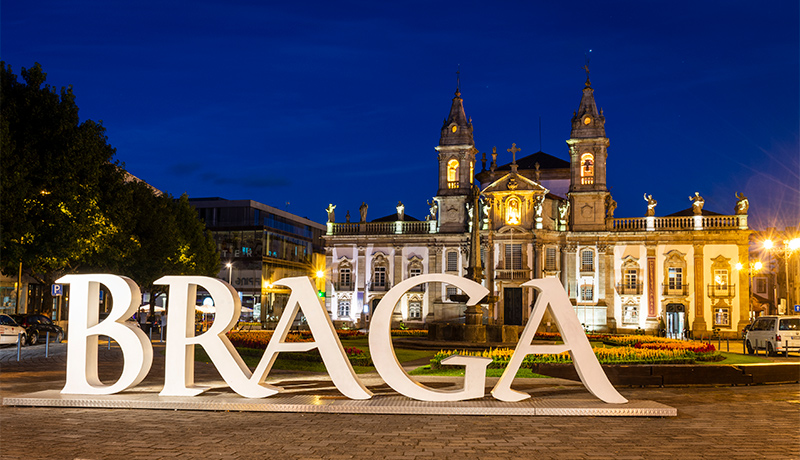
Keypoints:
pixel 513 151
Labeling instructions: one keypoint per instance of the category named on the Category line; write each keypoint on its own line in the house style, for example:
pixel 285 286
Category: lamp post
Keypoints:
pixel 230 271
pixel 787 250
pixel 753 267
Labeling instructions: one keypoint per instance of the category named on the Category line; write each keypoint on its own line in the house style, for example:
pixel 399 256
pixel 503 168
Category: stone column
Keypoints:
pixel 699 323
pixel 397 270
pixel 653 294
pixel 328 282
pixel 489 271
pixel 434 289
pixel 568 274
pixel 607 271
pixel 537 260
pixel 744 289
pixel 361 279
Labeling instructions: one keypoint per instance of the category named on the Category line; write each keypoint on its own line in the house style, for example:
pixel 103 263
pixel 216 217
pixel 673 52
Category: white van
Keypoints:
pixel 774 334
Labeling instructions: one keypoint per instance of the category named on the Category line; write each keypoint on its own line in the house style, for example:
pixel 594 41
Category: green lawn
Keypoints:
pixel 252 357
pixel 457 371
pixel 736 358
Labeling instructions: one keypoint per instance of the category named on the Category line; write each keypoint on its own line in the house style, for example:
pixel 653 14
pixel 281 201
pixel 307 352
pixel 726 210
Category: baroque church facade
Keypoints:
pixel 543 216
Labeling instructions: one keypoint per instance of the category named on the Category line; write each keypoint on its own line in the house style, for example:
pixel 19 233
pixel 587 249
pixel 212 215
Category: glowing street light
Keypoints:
pixel 230 271
pixel 789 248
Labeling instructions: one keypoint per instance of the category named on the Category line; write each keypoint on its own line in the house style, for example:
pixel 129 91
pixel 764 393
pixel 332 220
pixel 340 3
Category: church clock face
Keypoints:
pixel 454 128
pixel 587 120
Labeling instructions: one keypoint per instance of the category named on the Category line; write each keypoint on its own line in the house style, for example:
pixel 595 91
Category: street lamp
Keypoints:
pixel 230 271
pixel 753 267
pixel 789 248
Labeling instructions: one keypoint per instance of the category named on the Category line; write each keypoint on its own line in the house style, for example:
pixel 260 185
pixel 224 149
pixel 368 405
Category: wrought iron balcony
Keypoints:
pixel 376 287
pixel 503 274
pixel 343 286
pixel 721 290
pixel 675 289
pixel 629 288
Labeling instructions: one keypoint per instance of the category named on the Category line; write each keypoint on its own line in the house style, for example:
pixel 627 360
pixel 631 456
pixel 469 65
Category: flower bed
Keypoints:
pixel 409 332
pixel 615 355
pixel 259 339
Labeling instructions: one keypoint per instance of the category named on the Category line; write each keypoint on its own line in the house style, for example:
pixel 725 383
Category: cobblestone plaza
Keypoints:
pixel 728 422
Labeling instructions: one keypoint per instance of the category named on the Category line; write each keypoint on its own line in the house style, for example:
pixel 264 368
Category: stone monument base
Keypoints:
pixel 550 406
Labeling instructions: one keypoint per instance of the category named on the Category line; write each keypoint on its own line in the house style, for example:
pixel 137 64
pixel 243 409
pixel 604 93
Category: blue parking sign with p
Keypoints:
pixel 57 289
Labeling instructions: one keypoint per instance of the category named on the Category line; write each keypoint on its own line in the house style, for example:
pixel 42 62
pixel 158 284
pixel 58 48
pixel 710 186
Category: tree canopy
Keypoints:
pixel 68 206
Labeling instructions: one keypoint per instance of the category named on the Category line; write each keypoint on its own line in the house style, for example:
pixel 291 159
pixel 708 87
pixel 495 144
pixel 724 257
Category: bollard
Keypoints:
pixel 47 345
pixel 728 344
pixel 109 341
pixel 19 344
pixel 150 333
pixel 161 331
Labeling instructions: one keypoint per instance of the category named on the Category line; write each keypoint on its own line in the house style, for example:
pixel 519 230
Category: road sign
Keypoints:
pixel 797 308
pixel 57 289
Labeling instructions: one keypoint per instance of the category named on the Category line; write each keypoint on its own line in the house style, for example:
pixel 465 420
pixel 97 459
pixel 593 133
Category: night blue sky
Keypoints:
pixel 317 102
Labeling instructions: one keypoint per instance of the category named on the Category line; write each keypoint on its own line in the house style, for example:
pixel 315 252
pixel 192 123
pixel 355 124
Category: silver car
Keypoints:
pixel 774 334
pixel 10 331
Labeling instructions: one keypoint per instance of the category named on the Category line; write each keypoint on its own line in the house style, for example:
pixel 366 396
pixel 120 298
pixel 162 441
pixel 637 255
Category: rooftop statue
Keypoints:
pixel 742 205
pixel 697 204
pixel 331 215
pixel 651 205
pixel 611 205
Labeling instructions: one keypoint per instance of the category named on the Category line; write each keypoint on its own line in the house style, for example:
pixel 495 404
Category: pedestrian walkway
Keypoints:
pixel 741 422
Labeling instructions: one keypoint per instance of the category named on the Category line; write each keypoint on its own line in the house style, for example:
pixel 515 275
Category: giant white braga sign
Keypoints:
pixel 85 329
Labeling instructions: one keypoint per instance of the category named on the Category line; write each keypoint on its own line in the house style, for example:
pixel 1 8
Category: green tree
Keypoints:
pixel 55 172
pixel 166 237
pixel 68 207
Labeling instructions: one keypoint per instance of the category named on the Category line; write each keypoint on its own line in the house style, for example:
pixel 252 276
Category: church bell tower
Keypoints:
pixel 588 151
pixel 456 168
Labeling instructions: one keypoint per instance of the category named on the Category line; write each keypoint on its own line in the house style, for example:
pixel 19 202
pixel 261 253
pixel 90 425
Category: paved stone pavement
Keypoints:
pixel 724 422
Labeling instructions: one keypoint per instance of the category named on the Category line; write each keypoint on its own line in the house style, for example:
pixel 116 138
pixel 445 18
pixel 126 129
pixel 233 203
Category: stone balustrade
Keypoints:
pixel 634 224
pixel 382 228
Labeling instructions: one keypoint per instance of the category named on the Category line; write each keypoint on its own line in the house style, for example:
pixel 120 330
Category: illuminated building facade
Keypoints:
pixel 543 216
pixel 259 244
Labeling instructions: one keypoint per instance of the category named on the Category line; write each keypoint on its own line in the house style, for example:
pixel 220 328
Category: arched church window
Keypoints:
pixel 452 173
pixel 587 169
pixel 513 213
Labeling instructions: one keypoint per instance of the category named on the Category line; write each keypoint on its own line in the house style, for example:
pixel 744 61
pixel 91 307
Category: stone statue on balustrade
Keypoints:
pixel 537 205
pixel 363 210
pixel 742 205
pixel 331 215
pixel 401 210
pixel 697 204
pixel 563 212
pixel 611 205
pixel 433 208
pixel 651 205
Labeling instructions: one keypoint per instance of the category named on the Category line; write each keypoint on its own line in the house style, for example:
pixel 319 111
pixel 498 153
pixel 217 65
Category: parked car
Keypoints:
pixel 747 328
pixel 37 327
pixel 10 331
pixel 774 334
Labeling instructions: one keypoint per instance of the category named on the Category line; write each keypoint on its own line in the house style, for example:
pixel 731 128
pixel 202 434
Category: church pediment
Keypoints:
pixel 514 182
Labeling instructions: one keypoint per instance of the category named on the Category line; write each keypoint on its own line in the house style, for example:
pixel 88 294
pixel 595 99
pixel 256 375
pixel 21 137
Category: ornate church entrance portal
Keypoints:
pixel 676 320
pixel 512 306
